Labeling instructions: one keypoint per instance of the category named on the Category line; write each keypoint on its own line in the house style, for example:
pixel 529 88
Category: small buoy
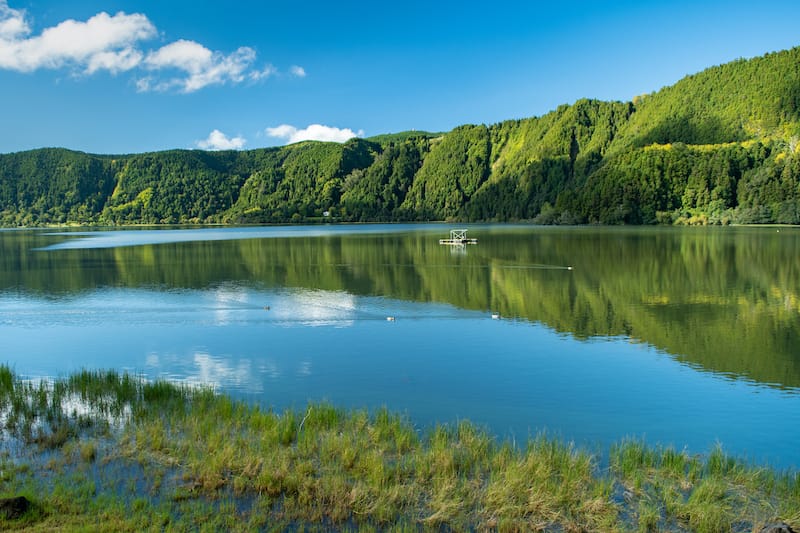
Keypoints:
pixel 569 268
pixel 495 316
pixel 390 318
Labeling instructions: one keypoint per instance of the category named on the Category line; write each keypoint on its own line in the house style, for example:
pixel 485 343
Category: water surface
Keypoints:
pixel 683 337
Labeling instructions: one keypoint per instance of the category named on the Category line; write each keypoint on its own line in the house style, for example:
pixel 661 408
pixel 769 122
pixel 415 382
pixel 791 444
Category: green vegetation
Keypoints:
pixel 718 147
pixel 655 285
pixel 104 451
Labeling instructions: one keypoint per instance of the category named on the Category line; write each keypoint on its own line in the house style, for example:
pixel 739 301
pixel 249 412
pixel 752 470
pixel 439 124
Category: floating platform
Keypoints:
pixel 458 237
pixel 458 241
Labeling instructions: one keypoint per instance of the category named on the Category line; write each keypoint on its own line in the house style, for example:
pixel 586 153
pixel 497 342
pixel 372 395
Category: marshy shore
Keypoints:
pixel 104 451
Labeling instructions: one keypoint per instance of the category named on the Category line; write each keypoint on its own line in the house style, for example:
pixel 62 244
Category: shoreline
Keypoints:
pixel 139 454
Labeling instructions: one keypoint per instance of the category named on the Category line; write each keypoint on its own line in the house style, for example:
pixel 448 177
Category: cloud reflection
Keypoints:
pixel 317 308
pixel 221 372
pixel 304 369
pixel 228 301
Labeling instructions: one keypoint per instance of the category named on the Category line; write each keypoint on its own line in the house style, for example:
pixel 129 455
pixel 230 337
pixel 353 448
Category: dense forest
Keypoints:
pixel 718 147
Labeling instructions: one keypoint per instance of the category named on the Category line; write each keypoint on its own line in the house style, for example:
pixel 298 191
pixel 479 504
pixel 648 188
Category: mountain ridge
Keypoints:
pixel 718 146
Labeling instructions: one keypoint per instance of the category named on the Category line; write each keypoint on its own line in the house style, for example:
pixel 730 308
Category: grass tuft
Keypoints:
pixel 176 458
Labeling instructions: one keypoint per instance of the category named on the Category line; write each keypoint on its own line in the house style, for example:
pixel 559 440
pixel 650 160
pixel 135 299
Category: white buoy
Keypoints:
pixel 390 318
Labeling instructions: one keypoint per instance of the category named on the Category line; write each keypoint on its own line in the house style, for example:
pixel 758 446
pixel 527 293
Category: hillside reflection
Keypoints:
pixel 724 300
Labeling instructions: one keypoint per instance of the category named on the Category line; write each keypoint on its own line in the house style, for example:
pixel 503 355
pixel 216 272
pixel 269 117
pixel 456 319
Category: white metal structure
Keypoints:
pixel 458 237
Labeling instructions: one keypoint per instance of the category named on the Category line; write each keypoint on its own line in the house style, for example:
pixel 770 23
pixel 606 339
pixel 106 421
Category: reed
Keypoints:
pixel 167 457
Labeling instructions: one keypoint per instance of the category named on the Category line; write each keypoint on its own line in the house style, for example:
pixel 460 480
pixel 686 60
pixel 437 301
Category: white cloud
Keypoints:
pixel 300 72
pixel 264 73
pixel 314 132
pixel 113 43
pixel 102 42
pixel 198 66
pixel 12 22
pixel 219 141
pixel 284 131
pixel 114 62
pixel 144 84
pixel 185 55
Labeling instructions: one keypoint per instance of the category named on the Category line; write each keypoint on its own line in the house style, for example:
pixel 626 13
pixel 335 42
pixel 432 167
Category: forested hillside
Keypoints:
pixel 721 146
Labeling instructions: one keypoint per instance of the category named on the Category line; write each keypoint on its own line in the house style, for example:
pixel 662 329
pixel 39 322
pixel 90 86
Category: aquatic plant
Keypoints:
pixel 114 448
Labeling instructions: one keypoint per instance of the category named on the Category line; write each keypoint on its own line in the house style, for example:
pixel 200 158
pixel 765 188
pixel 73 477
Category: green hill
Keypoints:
pixel 717 147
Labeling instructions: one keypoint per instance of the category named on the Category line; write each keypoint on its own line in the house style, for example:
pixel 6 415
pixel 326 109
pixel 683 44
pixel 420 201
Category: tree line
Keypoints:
pixel 721 146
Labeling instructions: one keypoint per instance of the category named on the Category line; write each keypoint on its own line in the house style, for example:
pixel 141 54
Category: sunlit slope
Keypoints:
pixel 720 146
pixel 756 99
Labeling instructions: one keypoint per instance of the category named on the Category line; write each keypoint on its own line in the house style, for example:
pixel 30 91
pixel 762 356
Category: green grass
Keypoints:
pixel 716 493
pixel 140 455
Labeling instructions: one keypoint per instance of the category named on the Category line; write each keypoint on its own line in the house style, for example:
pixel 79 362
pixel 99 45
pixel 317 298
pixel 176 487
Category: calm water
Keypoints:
pixel 684 337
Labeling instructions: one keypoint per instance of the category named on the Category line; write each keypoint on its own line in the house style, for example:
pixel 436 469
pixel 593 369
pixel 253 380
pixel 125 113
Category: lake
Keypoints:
pixel 685 337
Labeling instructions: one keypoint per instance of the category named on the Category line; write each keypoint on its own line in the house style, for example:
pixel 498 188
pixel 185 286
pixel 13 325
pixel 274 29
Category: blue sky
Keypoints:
pixel 119 76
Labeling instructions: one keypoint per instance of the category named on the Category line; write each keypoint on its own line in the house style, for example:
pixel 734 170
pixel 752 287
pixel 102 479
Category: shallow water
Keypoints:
pixel 683 337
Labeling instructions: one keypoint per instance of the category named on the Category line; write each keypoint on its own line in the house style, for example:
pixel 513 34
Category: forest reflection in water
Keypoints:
pixel 727 300
pixel 587 316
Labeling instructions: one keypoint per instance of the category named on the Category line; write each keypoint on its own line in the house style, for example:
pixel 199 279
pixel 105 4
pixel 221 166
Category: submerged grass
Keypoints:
pixel 111 449
pixel 715 493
